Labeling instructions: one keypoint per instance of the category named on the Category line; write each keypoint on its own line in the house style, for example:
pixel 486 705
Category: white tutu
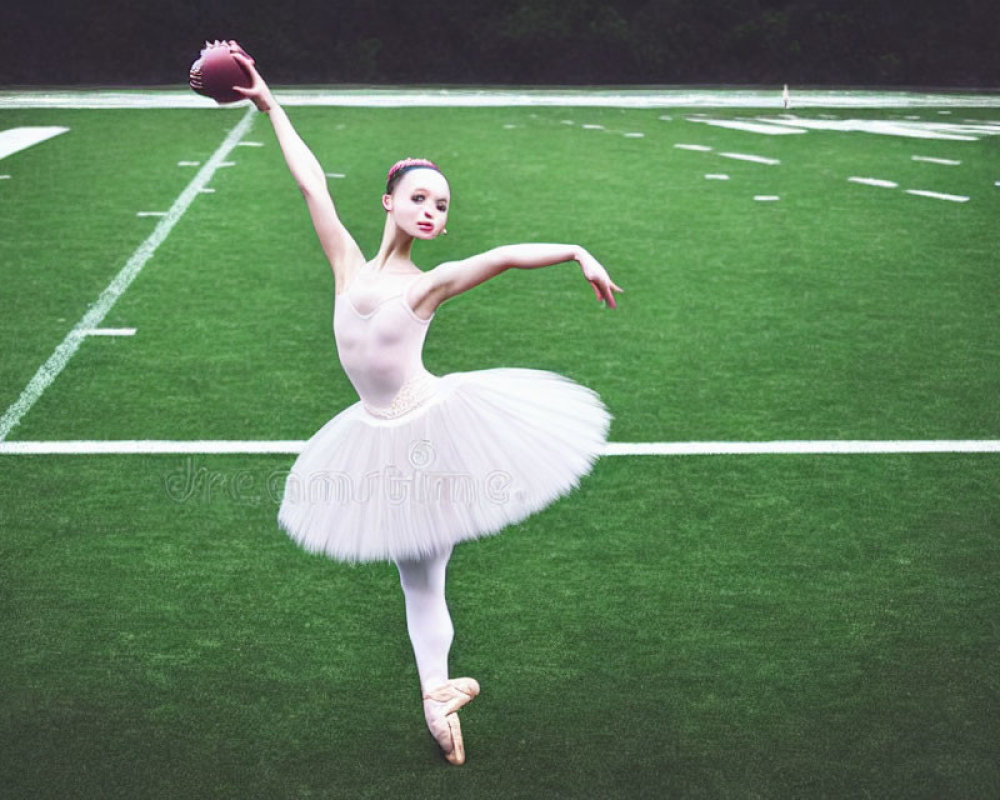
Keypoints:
pixel 486 450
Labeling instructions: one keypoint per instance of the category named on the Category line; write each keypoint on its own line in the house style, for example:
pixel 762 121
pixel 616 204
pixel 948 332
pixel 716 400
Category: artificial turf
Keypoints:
pixel 770 626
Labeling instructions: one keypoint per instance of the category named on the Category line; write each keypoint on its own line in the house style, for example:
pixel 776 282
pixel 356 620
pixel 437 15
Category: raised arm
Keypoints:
pixel 455 277
pixel 341 250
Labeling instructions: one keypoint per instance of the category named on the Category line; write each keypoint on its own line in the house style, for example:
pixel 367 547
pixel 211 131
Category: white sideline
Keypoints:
pixel 293 446
pixel 95 315
pixel 468 97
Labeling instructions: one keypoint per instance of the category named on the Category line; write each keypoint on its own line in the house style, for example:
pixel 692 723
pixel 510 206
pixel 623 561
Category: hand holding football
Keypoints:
pixel 216 72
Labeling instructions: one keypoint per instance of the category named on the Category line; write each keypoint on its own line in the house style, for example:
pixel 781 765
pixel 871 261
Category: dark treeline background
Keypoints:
pixel 803 42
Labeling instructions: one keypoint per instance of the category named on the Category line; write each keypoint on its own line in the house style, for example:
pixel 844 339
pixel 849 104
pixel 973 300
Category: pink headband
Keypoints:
pixel 408 163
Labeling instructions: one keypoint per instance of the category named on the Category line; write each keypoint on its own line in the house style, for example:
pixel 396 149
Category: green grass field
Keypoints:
pixel 770 626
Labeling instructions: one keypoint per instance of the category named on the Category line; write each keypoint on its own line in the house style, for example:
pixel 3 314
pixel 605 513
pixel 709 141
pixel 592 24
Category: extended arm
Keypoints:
pixel 341 250
pixel 455 277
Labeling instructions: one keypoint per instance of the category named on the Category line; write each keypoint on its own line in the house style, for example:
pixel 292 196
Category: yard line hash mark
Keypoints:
pixel 954 198
pixel 754 159
pixel 107 332
pixel 949 162
pixel 48 372
pixel 875 182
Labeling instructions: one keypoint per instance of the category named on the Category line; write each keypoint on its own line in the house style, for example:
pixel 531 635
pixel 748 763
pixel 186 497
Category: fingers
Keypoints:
pixel 603 292
pixel 244 62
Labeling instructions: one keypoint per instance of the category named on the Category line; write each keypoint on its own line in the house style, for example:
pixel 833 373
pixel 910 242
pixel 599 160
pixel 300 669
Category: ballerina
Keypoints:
pixel 422 462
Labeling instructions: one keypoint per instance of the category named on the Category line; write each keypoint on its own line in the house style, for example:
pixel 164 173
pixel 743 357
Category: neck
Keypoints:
pixel 395 248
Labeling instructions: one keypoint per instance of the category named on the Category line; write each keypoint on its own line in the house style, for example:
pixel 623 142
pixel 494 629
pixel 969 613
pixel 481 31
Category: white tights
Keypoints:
pixel 427 618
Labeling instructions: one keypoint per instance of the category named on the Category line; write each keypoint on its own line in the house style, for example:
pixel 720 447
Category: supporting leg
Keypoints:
pixel 431 633
pixel 427 618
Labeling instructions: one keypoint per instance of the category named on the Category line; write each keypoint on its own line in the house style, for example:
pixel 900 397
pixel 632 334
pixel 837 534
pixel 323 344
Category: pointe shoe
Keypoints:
pixel 454 694
pixel 440 707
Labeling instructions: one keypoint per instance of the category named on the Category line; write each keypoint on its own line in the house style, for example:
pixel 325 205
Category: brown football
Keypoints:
pixel 216 72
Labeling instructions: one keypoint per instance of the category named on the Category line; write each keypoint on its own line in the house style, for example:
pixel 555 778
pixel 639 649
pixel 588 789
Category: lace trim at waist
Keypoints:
pixel 412 394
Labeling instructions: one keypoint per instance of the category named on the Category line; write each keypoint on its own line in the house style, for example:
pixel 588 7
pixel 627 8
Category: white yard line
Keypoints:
pixel 294 446
pixel 97 312
pixel 799 447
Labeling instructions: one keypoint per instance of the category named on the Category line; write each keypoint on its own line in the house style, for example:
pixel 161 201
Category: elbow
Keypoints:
pixel 502 260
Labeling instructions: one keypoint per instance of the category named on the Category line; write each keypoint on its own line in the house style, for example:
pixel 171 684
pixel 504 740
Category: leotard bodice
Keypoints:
pixel 380 342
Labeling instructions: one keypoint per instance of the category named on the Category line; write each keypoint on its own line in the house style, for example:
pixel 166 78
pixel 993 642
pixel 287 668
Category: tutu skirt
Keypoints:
pixel 485 450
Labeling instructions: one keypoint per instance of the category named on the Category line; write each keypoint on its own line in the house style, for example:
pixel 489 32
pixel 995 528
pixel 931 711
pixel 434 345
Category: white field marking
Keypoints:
pixel 944 113
pixel 766 198
pixel 4 177
pixel 858 447
pixel 750 127
pixel 250 144
pixel 567 122
pixel 106 332
pixel 151 213
pixel 14 140
pixel 593 127
pixel 949 162
pixel 875 182
pixel 509 126
pixel 912 130
pixel 666 118
pixel 754 159
pixel 48 372
pixel 295 446
pixel 635 135
pixel 505 98
pixel 716 176
pixel 150 447
pixel 206 190
pixel 955 198
pixel 978 129
pixel 188 163
pixel 697 147
pixel 486 97
pixel 335 175
pixel 228 164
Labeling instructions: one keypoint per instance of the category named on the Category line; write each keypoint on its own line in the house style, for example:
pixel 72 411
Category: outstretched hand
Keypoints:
pixel 258 91
pixel 604 288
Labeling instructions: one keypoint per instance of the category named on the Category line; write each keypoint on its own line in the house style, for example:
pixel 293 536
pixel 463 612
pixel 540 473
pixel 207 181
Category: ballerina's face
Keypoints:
pixel 419 203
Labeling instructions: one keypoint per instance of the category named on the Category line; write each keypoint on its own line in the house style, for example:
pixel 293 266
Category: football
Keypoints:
pixel 216 72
